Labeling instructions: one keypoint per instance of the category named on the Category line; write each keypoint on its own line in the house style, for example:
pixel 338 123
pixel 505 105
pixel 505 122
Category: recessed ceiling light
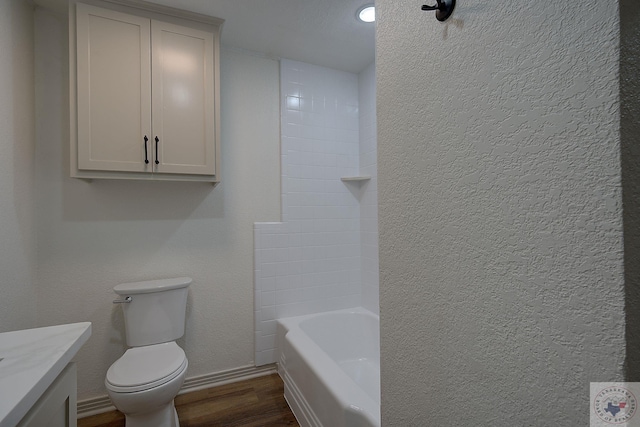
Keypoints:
pixel 367 13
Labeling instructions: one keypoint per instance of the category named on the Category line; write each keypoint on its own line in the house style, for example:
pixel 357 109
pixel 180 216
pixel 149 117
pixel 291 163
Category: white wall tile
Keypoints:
pixel 313 260
pixel 369 200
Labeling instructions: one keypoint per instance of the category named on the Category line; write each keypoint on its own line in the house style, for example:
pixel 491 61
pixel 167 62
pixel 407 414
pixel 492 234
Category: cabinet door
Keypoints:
pixel 114 90
pixel 57 405
pixel 183 99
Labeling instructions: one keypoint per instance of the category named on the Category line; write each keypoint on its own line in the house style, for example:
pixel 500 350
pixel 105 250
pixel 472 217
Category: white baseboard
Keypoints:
pixel 100 404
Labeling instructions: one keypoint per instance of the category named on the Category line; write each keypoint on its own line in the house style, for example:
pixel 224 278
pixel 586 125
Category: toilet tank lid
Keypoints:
pixel 150 286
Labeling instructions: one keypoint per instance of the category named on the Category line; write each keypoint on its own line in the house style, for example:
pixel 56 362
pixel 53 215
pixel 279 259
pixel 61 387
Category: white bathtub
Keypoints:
pixel 330 365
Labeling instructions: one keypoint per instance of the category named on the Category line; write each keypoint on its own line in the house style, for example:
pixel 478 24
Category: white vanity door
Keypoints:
pixel 57 406
pixel 183 99
pixel 114 90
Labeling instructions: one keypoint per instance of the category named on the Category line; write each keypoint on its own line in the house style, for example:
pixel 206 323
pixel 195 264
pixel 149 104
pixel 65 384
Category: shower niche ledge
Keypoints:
pixel 356 179
pixel 356 184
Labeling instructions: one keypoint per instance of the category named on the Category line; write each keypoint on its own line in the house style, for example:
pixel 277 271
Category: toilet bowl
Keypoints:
pixel 143 382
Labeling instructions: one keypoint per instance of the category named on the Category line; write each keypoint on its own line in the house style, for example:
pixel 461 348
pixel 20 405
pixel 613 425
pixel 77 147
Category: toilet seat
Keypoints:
pixel 143 368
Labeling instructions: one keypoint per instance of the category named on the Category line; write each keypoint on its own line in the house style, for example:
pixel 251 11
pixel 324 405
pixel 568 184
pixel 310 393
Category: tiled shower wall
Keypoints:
pixel 311 261
pixel 369 197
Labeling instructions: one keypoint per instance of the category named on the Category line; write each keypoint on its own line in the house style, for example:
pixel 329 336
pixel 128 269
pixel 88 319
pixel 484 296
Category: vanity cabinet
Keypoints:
pixel 38 377
pixel 57 406
pixel 146 85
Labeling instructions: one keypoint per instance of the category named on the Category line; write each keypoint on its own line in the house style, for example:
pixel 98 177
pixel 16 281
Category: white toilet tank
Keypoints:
pixel 156 311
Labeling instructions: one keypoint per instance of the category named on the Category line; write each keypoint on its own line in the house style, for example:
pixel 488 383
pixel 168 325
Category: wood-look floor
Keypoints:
pixel 258 402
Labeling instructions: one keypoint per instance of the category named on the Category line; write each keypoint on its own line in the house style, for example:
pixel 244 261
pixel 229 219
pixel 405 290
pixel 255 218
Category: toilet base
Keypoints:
pixel 165 416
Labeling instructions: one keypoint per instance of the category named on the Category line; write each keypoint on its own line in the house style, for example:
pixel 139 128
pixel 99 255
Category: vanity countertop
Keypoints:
pixel 30 360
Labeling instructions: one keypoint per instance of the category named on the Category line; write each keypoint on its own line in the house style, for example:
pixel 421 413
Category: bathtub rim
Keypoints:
pixel 317 360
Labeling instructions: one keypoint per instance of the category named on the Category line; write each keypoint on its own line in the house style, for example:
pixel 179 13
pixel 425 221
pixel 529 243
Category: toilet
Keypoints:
pixel 144 381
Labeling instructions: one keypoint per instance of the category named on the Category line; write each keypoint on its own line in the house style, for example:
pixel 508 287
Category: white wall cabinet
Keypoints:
pixel 146 90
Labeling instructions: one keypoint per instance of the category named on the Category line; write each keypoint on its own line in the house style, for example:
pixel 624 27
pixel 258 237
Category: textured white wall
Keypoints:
pixel 501 287
pixel 369 191
pixel 92 236
pixel 17 144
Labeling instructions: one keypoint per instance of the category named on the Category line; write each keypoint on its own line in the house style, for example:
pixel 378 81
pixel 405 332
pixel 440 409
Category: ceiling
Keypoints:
pixel 321 32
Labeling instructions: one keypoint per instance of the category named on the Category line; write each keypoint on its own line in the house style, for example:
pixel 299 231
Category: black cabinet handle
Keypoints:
pixel 157 161
pixel 146 156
